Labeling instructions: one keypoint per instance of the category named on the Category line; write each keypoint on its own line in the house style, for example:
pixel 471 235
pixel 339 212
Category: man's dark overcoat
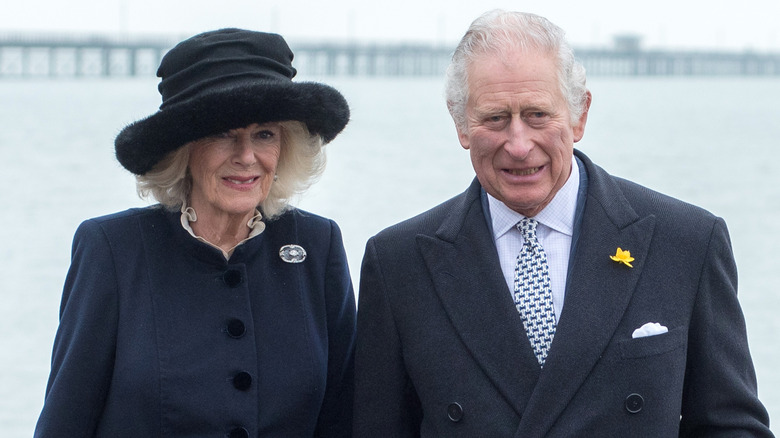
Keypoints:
pixel 442 352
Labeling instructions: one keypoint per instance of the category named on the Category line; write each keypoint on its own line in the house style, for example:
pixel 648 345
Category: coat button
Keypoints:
pixel 232 278
pixel 242 381
pixel 634 403
pixel 235 328
pixel 238 432
pixel 455 412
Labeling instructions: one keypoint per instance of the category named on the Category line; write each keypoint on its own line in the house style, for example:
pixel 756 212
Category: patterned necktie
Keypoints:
pixel 533 294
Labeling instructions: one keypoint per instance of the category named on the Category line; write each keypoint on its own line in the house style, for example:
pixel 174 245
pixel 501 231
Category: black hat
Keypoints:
pixel 222 80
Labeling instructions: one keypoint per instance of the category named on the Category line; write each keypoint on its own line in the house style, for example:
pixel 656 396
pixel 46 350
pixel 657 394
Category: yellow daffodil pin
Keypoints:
pixel 623 257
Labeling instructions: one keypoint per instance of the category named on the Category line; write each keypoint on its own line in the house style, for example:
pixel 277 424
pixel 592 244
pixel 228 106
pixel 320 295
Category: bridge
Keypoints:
pixel 68 56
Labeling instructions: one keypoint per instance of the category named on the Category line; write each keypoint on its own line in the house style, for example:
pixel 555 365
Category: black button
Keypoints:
pixel 634 403
pixel 232 278
pixel 455 412
pixel 238 432
pixel 236 328
pixel 242 381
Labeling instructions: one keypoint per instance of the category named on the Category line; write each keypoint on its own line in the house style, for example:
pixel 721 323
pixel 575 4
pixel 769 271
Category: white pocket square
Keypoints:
pixel 649 329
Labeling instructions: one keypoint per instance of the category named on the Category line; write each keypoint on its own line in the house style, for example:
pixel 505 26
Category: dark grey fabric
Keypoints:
pixel 438 331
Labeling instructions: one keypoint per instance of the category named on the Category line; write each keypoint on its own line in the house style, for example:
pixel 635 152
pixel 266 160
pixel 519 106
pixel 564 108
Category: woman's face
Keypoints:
pixel 232 172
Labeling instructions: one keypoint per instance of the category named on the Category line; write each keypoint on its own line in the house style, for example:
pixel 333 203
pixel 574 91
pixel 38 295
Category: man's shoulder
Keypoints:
pixel 604 187
pixel 675 220
pixel 649 201
pixel 429 221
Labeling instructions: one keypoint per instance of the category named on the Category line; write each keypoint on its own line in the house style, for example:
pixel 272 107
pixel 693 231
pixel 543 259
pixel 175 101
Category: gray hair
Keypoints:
pixel 301 163
pixel 497 32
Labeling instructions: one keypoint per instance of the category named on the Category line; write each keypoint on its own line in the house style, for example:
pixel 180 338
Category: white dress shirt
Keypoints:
pixel 554 232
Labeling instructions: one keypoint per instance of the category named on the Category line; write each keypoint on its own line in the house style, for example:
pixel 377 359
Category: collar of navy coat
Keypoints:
pixel 467 276
pixel 167 225
pixel 279 232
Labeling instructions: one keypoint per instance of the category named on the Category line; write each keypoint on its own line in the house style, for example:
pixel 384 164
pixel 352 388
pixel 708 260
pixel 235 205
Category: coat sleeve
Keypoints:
pixel 335 418
pixel 83 353
pixel 385 401
pixel 720 395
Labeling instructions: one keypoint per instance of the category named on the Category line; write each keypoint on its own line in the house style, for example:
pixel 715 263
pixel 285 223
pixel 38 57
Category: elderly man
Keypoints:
pixel 550 299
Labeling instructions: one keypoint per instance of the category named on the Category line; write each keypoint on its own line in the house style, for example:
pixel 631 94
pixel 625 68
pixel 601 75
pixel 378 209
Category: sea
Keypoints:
pixel 710 141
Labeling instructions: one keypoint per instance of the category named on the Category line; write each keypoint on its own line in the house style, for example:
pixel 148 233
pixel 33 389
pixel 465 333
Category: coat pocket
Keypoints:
pixel 653 345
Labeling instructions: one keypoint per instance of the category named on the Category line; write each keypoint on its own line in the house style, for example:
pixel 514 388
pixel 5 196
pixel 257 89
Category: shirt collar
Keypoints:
pixel 255 224
pixel 557 215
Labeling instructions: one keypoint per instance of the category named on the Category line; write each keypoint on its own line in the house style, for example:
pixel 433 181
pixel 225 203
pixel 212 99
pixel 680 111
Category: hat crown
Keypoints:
pixel 222 80
pixel 218 59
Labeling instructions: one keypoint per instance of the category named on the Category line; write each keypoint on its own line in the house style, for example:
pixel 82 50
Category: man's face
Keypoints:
pixel 518 129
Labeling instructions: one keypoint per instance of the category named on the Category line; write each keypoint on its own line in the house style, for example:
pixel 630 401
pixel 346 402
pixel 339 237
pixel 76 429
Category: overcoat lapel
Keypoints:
pixel 467 277
pixel 597 295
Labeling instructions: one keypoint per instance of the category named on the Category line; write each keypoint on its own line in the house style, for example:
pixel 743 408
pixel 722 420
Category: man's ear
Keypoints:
pixel 579 128
pixel 463 137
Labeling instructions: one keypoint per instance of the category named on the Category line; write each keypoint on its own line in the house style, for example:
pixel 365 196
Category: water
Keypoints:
pixel 707 141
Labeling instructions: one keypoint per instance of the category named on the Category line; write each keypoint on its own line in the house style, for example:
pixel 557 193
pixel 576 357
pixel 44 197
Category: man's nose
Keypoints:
pixel 519 142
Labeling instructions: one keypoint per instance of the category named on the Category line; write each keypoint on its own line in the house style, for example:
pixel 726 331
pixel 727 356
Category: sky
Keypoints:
pixel 675 24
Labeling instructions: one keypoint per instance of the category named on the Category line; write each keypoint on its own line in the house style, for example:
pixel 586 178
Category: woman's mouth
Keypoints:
pixel 241 181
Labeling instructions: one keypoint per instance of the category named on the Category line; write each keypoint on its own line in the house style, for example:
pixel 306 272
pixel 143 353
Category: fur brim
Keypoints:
pixel 142 144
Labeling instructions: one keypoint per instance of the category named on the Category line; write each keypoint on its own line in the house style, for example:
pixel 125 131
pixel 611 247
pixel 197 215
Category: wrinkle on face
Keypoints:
pixel 518 129
pixel 232 172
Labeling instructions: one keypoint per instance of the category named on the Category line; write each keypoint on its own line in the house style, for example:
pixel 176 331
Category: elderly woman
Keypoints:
pixel 221 311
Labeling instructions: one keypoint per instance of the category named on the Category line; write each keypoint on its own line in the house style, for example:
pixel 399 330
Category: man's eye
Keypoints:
pixel 494 120
pixel 536 117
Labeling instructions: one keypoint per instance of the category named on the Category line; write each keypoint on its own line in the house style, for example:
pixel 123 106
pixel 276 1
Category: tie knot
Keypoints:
pixel 527 227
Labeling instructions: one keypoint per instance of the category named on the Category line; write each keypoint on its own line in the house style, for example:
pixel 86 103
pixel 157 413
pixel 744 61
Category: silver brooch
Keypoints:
pixel 292 253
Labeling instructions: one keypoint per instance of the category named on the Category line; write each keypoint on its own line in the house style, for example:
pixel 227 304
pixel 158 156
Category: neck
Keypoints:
pixel 224 231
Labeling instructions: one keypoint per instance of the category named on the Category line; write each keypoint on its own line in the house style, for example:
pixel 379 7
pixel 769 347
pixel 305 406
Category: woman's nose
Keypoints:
pixel 244 153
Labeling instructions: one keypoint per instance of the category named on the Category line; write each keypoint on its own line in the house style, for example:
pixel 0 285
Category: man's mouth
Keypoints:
pixel 524 172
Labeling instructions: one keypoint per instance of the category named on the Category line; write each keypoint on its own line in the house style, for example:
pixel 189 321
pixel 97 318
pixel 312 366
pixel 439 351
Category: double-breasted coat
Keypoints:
pixel 442 352
pixel 161 336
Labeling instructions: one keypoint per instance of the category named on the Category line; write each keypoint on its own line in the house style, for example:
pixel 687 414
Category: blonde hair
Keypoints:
pixel 301 163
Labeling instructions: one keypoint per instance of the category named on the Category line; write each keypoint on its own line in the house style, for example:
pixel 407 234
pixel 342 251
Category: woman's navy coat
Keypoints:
pixel 161 336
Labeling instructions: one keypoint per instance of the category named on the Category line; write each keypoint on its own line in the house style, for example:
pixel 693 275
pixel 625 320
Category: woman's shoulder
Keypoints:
pixel 305 219
pixel 311 227
pixel 123 220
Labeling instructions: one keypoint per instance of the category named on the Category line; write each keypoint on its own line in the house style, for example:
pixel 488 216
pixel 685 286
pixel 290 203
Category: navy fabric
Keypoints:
pixel 160 336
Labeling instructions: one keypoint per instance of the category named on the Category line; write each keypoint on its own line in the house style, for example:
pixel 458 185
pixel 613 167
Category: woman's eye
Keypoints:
pixel 265 134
